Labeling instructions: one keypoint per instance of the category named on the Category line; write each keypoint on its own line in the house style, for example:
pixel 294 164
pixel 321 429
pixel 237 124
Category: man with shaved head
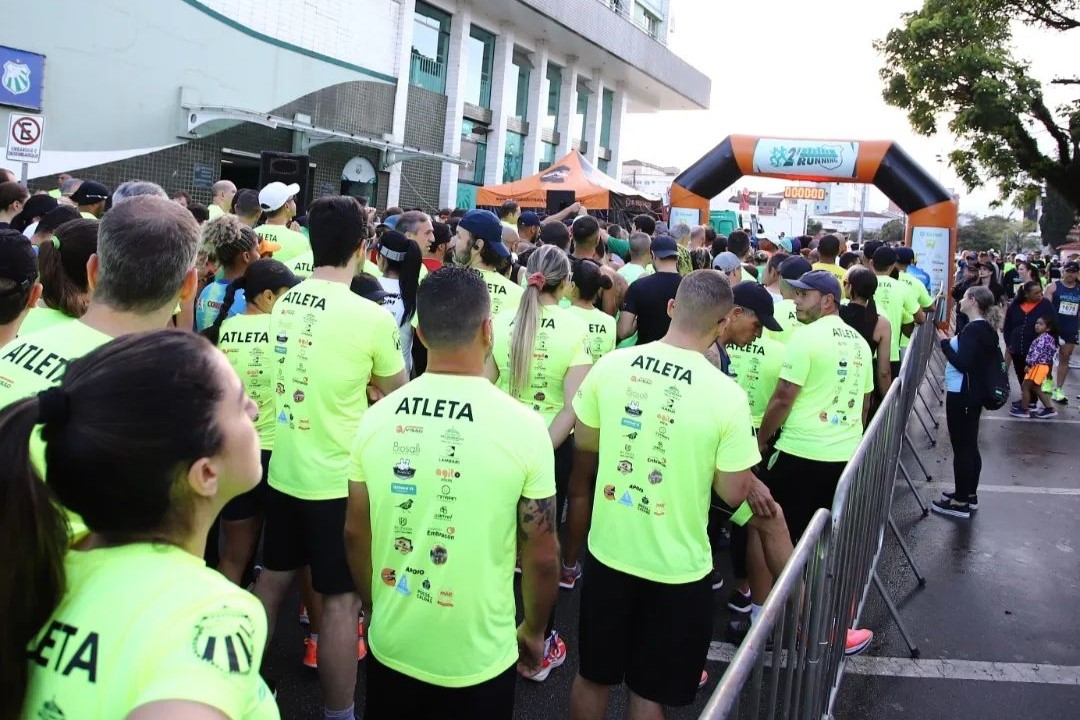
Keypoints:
pixel 223 191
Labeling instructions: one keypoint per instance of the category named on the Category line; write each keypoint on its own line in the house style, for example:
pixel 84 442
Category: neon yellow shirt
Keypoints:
pixel 784 312
pixel 633 271
pixel 214 212
pixel 331 342
pixel 292 243
pixel 505 294
pixel 832 365
pixel 444 478
pixel 561 343
pixel 40 318
pixel 922 299
pixel 898 305
pixel 37 361
pixel 668 420
pixel 601 330
pixel 302 264
pixel 756 369
pixel 838 272
pixel 245 340
pixel 88 215
pixel 144 623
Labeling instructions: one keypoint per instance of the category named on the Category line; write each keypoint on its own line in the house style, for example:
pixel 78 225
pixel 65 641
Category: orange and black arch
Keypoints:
pixel 931 209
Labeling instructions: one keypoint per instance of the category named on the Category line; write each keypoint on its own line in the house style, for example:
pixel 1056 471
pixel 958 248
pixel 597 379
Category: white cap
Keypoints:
pixel 276 194
pixel 1021 257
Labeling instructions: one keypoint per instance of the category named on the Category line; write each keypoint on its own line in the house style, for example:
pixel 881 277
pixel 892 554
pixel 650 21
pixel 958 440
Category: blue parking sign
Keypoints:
pixel 22 78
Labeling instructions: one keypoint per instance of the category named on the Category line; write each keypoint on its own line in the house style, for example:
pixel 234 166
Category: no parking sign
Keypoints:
pixel 24 137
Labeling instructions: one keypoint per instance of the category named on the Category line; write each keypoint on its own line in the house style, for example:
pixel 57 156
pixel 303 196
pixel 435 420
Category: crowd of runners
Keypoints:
pixel 398 412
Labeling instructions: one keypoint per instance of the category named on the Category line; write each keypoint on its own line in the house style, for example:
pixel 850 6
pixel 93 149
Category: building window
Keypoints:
pixel 473 149
pixel 481 49
pixel 430 48
pixel 515 152
pixel 647 19
pixel 581 114
pixel 607 105
pixel 520 81
pixel 603 165
pixel 554 77
pixel 548 158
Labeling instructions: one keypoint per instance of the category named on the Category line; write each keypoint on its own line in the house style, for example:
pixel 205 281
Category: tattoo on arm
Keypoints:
pixel 536 516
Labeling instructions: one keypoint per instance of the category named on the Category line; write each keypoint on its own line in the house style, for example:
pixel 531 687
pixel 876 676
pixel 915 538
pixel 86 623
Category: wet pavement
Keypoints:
pixel 1002 599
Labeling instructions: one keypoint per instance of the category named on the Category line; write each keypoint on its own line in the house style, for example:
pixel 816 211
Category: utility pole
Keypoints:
pixel 862 214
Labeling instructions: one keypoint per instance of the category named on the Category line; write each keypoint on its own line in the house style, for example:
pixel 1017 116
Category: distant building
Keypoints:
pixel 655 179
pixel 847 221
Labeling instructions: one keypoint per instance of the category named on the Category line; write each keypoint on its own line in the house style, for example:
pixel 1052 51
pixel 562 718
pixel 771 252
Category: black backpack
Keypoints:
pixel 995 382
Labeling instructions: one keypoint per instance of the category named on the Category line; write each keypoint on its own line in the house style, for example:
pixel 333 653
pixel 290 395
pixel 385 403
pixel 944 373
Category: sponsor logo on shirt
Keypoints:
pixel 226 640
pixel 627 422
pixel 402 488
pixel 404 469
pixel 403 545
pixel 439 555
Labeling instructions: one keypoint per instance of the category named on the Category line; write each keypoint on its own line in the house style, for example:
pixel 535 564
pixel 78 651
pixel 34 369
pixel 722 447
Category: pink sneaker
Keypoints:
pixel 857 641
pixel 556 656
pixel 704 680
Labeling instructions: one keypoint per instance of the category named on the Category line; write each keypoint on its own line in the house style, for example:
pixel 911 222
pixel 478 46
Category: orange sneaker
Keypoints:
pixel 311 653
pixel 361 644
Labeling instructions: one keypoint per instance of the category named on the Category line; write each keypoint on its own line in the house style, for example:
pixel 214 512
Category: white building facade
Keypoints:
pixel 399 101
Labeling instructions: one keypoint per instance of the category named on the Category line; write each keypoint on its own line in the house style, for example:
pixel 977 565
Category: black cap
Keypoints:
pixel 368 287
pixel 884 257
pixel 1071 267
pixel 90 193
pixel 246 202
pixel 905 255
pixel 18 261
pixel 869 248
pixel 755 297
pixel 529 219
pixel 268 274
pixel 663 246
pixel 35 207
pixel 795 267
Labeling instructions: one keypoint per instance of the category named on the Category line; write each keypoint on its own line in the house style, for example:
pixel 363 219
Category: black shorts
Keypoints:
pixel 250 504
pixel 801 486
pixel 652 636
pixel 394 695
pixel 307 532
pixel 1069 336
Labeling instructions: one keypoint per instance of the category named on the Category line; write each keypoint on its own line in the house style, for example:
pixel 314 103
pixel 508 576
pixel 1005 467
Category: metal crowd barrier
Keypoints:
pixel 791 662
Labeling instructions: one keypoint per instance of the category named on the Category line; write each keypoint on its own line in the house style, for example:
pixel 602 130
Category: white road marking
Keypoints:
pixel 941 669
pixel 1011 489
pixel 1048 421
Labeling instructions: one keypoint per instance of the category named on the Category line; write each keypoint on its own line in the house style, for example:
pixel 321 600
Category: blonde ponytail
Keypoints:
pixel 547 269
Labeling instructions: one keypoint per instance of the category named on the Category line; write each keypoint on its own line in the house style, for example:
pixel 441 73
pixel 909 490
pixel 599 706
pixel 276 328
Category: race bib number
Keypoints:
pixel 1068 308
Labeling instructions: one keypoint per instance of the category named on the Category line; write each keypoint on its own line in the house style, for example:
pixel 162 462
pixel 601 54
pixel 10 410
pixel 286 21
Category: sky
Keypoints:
pixel 791 68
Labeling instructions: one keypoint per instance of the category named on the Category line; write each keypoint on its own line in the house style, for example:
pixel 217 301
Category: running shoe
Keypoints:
pixel 570 576
pixel 311 653
pixel 738 602
pixel 1021 412
pixel 361 644
pixel 737 630
pixel 556 656
pixel 1031 406
pixel 973 500
pixel 304 619
pixel 1044 413
pixel 951 508
pixel 1048 385
pixel 1058 395
pixel 857 641
pixel 716 579
pixel 704 680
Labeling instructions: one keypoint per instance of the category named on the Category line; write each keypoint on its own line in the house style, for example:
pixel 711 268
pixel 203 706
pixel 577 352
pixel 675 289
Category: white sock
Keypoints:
pixel 754 611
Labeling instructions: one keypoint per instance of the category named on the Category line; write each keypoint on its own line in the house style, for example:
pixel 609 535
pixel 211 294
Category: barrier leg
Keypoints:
pixel 895 616
pixel 929 412
pixel 929 435
pixel 911 486
pixel 922 468
pixel 907 553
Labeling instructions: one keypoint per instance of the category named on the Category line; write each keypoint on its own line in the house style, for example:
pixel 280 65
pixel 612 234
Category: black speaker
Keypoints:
pixel 559 200
pixel 287 168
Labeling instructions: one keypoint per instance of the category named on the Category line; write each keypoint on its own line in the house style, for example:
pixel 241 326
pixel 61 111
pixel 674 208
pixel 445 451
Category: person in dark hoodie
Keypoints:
pixel 1020 318
pixel 969 354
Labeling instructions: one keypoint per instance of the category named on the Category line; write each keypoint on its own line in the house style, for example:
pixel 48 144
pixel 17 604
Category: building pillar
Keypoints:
pixel 567 108
pixel 538 100
pixel 501 104
pixel 456 71
pixel 618 114
pixel 593 118
pixel 406 11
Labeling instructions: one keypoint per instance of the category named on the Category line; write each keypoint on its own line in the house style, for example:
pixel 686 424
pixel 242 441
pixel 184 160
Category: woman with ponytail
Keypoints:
pixel 62 266
pixel 400 261
pixel 245 340
pixel 541 357
pixel 860 313
pixel 146 437
pixel 588 281
pixel 230 246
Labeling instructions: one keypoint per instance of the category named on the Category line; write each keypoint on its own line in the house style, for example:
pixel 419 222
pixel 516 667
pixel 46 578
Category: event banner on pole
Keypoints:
pixel 931 246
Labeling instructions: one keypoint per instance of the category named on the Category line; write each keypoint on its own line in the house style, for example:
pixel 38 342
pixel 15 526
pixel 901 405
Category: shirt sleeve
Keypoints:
pixel 737 450
pixel 209 654
pixel 586 404
pixel 539 461
pixel 386 357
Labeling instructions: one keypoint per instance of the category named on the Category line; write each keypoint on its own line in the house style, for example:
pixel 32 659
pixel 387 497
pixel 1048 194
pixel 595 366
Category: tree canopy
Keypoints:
pixel 955 59
pixel 993 233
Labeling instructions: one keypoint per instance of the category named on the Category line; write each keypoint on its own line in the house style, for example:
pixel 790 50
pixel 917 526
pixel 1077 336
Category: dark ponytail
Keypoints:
pixel 34 538
pixel 590 279
pixel 213 331
pixel 407 268
pixel 62 266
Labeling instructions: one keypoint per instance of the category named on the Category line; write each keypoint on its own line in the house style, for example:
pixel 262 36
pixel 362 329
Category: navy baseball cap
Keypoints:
pixel 795 267
pixel 529 219
pixel 663 246
pixel 18 261
pixel 821 280
pixel 905 255
pixel 485 225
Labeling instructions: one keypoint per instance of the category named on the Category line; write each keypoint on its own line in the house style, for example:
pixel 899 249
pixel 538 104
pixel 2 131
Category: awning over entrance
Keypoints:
pixel 199 115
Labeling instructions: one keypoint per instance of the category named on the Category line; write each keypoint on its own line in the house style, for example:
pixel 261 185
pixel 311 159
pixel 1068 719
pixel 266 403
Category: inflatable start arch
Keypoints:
pixel 931 210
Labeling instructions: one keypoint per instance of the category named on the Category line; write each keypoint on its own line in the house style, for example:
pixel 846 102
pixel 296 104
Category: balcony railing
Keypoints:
pixel 428 73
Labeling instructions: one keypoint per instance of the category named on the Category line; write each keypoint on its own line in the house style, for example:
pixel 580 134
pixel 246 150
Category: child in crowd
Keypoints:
pixel 1040 360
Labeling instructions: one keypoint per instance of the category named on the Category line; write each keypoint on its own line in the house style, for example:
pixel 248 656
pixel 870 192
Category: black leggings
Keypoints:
pixel 963 423
pixel 1019 363
pixel 564 463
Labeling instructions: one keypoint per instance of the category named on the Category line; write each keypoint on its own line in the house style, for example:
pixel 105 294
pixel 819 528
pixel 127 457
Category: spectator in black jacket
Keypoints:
pixel 1019 329
pixel 967 277
pixel 969 354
